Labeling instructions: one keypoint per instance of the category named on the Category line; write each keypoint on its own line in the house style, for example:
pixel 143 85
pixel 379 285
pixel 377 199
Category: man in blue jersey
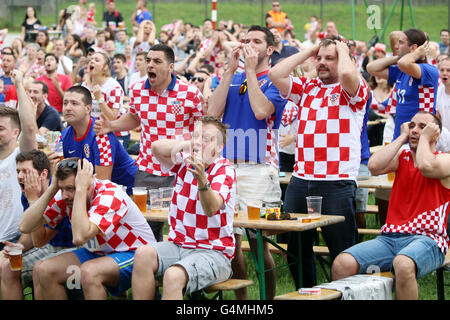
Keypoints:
pixel 111 161
pixel 252 107
pixel 416 81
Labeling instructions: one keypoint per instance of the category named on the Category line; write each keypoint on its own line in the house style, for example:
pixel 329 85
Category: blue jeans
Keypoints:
pixel 338 199
pixel 378 254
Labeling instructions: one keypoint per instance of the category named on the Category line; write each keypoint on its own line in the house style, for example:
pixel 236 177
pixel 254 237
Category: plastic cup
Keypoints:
pixel 140 198
pixel 15 258
pixel 155 199
pixel 254 209
pixel 166 196
pixel 314 204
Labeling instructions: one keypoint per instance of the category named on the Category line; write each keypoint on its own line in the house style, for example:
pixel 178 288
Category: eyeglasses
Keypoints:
pixel 243 88
pixel 70 163
pixel 199 79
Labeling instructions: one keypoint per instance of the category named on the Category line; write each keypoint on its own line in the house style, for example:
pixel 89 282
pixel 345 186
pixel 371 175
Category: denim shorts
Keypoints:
pixel 378 254
pixel 204 267
pixel 124 260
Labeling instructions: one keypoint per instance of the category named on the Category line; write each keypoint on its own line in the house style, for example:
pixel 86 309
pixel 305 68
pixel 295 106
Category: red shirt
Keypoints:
pixel 418 205
pixel 54 99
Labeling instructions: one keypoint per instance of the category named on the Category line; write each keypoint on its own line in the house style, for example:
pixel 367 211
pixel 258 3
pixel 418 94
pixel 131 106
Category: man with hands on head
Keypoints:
pixel 201 242
pixel 331 114
pixel 105 222
pixel 414 240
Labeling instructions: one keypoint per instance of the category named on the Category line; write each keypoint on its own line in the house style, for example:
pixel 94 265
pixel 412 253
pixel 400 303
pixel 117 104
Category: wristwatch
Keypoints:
pixel 206 187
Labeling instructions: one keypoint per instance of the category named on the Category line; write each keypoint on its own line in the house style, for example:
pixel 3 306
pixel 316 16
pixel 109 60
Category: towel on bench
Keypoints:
pixel 362 287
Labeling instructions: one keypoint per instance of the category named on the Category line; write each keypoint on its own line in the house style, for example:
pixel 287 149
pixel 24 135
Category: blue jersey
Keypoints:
pixel 413 95
pixel 249 138
pixel 101 150
pixel 365 145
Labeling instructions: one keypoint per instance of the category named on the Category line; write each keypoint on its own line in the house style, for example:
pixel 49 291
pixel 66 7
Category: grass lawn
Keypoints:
pixel 247 13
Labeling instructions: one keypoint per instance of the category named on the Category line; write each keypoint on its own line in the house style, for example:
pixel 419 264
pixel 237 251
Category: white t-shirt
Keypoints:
pixel 67 62
pixel 443 106
pixel 136 77
pixel 11 208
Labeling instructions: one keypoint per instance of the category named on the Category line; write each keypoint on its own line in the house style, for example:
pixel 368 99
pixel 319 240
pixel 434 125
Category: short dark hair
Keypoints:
pixel 51 55
pixel 12 114
pixel 444 30
pixel 87 97
pixel 168 52
pixel 217 123
pixel 120 56
pixel 44 86
pixel 266 31
pixel 39 159
pixel 436 119
pixel 66 168
pixel 416 36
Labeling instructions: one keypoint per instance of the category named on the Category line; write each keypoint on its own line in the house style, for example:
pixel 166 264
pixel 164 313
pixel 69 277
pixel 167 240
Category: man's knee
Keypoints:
pixel 344 266
pixel 175 276
pixel 146 255
pixel 404 267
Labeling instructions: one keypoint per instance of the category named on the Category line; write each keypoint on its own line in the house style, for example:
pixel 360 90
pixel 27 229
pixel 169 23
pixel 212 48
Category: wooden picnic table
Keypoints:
pixel 262 227
pixel 376 182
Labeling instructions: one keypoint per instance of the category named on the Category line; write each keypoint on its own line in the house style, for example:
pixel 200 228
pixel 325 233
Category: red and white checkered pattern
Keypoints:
pixel 189 226
pixel 330 124
pixel 205 44
pixel 271 144
pixel 113 95
pixel 418 205
pixel 104 147
pixel 426 98
pixel 170 115
pixel 391 107
pixel 122 225
pixel 378 107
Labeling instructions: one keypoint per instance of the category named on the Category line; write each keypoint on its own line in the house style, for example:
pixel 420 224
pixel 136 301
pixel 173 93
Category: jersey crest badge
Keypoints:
pixel 86 150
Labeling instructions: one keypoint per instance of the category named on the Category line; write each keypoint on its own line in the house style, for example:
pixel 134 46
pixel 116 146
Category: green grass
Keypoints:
pixel 248 14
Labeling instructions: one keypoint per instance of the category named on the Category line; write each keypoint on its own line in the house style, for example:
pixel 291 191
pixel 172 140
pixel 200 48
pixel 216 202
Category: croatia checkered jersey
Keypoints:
pixel 418 205
pixel 122 225
pixel 113 94
pixel 329 131
pixel 413 95
pixel 101 150
pixel 170 115
pixel 189 226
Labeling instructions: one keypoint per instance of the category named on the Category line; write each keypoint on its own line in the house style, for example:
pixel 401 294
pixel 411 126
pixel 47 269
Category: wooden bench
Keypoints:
pixel 227 285
pixel 325 294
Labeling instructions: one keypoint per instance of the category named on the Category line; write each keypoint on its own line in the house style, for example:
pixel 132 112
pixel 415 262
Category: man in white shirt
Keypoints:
pixel 65 65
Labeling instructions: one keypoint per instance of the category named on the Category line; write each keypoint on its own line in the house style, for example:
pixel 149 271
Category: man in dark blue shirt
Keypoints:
pixel 48 119
pixel 281 50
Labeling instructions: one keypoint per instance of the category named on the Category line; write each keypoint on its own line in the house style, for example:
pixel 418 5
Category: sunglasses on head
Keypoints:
pixel 69 163
pixel 199 79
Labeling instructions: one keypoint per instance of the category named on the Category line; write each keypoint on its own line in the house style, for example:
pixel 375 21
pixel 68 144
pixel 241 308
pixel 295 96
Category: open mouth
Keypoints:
pixel 151 75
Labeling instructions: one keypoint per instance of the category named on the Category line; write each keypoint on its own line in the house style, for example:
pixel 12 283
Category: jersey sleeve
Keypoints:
pixel 359 100
pixel 55 211
pixel 104 157
pixel 114 100
pixel 430 75
pixel 107 210
pixel 223 181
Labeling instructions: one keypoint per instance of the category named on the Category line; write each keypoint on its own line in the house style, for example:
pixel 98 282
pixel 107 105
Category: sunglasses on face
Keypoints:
pixel 199 79
pixel 69 163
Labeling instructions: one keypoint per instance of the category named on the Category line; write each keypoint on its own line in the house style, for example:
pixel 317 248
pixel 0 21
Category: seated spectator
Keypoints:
pixel 121 42
pixel 43 40
pixel 65 64
pixel 111 15
pixel 193 258
pixel 121 71
pixel 105 221
pixel 414 241
pixel 33 174
pixel 141 67
pixel 74 48
pixel 443 95
pixel 30 59
pixel 88 38
pixel 38 68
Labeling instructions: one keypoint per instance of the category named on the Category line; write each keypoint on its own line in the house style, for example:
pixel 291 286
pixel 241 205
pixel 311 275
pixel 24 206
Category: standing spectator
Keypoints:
pixel 105 222
pixel 445 40
pixel 30 23
pixel 249 102
pixel 331 112
pixel 111 15
pixel 141 13
pixel 8 65
pixel 90 15
pixel 57 83
pixel 281 50
pixel 414 240
pixel 277 18
pixel 415 80
pixel 288 137
pixel 144 40
pixel 65 23
pixel 161 96
pixel 194 257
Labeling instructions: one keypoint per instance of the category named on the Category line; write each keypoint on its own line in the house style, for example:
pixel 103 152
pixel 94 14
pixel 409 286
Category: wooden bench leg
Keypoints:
pixel 440 284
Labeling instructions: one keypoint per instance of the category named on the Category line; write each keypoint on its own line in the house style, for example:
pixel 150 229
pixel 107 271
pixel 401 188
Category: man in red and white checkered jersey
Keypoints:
pixel 165 108
pixel 414 240
pixel 201 243
pixel 328 155
pixel 106 224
